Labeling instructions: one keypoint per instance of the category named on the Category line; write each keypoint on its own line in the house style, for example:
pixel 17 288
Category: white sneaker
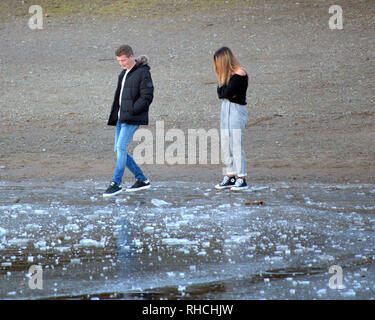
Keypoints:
pixel 228 182
pixel 240 184
pixel 139 185
pixel 113 190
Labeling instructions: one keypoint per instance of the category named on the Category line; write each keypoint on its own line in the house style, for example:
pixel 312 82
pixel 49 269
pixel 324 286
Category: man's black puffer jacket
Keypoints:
pixel 137 95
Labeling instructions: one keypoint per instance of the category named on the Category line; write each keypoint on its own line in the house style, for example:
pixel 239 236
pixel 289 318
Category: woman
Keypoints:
pixel 232 86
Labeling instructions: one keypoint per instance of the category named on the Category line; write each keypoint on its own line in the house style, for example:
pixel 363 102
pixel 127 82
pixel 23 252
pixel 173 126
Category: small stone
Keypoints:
pixel 59 237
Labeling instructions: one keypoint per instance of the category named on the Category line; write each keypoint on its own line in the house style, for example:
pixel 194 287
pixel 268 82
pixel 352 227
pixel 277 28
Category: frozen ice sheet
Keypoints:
pixel 273 241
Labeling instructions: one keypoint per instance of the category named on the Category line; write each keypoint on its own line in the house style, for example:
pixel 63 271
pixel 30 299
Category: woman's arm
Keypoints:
pixel 230 90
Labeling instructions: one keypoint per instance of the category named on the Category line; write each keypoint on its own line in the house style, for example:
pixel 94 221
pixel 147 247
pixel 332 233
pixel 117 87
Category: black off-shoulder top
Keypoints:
pixel 235 91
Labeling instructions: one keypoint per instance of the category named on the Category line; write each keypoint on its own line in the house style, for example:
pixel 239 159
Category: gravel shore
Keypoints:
pixel 311 101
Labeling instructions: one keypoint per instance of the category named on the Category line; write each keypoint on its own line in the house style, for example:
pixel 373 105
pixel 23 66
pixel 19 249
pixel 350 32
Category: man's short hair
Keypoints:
pixel 124 50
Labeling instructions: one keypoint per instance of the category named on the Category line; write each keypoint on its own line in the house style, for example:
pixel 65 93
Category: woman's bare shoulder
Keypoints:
pixel 241 72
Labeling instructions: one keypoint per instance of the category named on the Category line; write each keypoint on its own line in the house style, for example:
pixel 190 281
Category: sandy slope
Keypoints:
pixel 311 97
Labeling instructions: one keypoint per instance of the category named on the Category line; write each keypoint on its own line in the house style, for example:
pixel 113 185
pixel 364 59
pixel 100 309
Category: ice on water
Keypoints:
pixel 189 236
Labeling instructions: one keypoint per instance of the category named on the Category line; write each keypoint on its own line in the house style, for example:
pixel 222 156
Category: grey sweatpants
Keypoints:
pixel 233 119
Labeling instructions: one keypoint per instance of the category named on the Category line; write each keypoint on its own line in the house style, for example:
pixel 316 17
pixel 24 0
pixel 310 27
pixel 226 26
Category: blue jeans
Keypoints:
pixel 124 134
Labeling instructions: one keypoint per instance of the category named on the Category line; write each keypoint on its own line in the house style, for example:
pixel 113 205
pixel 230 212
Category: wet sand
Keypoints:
pixel 310 99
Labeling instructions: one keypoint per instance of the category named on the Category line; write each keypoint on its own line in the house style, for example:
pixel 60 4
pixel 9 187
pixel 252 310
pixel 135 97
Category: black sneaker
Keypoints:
pixel 240 184
pixel 228 182
pixel 112 190
pixel 139 185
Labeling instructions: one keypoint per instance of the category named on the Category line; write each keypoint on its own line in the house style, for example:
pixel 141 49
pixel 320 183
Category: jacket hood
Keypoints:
pixel 142 60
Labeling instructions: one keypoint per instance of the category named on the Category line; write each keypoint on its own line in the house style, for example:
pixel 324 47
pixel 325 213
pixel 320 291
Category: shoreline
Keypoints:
pixel 188 173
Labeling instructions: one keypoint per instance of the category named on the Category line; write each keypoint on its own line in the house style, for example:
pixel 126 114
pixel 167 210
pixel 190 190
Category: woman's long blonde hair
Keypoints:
pixel 225 64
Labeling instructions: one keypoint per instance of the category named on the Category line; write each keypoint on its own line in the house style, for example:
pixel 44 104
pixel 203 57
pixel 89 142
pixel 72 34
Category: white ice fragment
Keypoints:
pixel 41 243
pixel 172 225
pixel 326 257
pixel 238 239
pixel 148 230
pixel 103 211
pixel 30 259
pixel 254 234
pixel 184 250
pixel 137 242
pixel 192 268
pixel 258 188
pixel 188 216
pixel 159 203
pixel 6 264
pixel 206 244
pixel 292 291
pixel 89 243
pixel 62 249
pixel 75 260
pixel 281 247
pixel 32 227
pixel 224 206
pixel 174 241
pixel 71 227
pixel 321 292
pixel 181 288
pixel 38 211
pixel 18 242
pixel 276 258
pixel 3 231
pixel 349 293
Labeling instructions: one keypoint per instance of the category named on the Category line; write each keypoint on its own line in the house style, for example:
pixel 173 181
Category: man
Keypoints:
pixel 133 96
